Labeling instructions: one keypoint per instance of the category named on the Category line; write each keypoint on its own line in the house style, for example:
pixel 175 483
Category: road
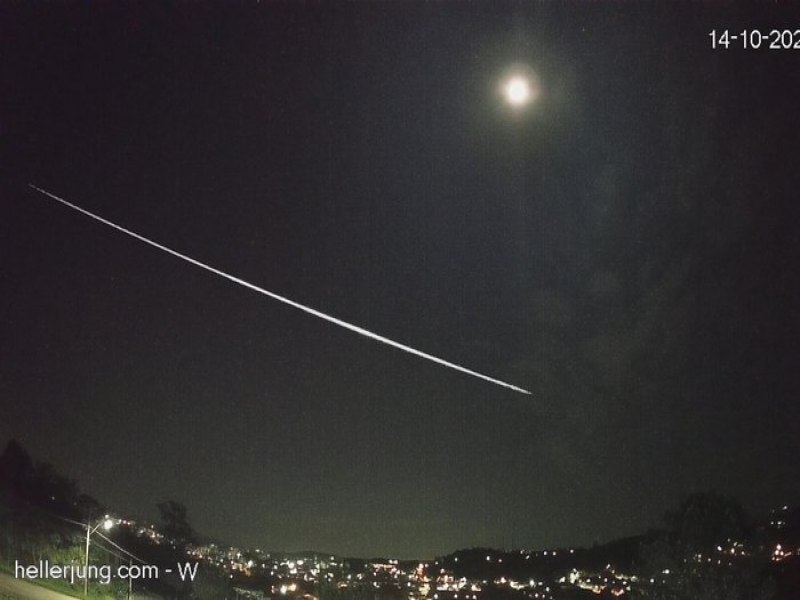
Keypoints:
pixel 23 590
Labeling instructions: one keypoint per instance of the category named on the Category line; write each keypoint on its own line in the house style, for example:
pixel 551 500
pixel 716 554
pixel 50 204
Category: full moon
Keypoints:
pixel 518 91
pixel 518 87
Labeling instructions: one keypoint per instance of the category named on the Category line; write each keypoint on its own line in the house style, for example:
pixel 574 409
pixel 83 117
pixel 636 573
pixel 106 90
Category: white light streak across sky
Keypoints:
pixel 279 298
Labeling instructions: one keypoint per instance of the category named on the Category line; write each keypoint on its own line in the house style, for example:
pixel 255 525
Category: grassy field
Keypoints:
pixel 62 587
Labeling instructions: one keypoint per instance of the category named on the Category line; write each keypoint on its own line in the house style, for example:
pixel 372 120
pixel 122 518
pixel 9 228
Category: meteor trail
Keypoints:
pixel 304 308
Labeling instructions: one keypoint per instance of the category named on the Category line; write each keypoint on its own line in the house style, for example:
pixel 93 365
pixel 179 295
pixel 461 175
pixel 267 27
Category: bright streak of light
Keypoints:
pixel 297 305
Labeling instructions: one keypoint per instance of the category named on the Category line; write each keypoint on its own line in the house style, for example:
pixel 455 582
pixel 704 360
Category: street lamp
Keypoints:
pixel 106 523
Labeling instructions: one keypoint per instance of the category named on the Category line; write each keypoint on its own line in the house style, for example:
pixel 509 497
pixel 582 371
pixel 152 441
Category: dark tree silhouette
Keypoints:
pixel 36 507
pixel 175 523
pixel 16 466
pixel 707 519
pixel 689 560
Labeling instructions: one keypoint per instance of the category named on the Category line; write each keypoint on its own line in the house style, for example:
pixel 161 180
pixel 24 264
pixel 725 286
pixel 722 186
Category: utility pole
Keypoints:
pixel 86 562
pixel 107 524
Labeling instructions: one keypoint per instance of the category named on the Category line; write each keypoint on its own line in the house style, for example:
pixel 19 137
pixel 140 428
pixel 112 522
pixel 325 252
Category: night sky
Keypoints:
pixel 626 246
